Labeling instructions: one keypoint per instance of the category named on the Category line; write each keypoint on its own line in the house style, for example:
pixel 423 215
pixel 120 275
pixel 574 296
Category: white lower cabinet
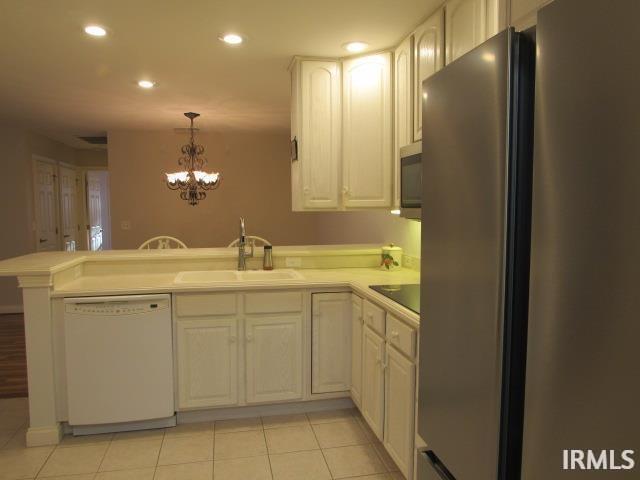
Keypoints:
pixel 372 403
pixel 207 362
pixel 273 345
pixel 330 342
pixel 357 325
pixel 399 409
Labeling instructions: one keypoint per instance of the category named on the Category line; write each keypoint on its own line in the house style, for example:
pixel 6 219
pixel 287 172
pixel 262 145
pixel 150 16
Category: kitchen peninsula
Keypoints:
pixel 315 310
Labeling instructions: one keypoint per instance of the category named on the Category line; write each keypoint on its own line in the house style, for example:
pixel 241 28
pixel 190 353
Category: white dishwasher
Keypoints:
pixel 119 363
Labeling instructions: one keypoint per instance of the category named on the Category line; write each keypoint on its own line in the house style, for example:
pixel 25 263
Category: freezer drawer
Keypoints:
pixel 428 469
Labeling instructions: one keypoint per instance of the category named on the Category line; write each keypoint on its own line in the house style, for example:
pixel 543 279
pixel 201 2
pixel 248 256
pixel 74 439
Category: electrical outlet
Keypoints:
pixel 125 224
pixel 293 262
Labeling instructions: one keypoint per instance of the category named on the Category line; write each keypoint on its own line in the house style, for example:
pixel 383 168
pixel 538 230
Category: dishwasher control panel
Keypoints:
pixel 116 308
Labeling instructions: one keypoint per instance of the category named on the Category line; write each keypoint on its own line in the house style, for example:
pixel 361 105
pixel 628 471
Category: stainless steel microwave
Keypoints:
pixel 411 181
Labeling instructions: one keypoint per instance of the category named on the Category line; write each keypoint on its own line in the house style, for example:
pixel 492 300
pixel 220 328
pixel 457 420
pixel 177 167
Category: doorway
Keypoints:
pixel 98 214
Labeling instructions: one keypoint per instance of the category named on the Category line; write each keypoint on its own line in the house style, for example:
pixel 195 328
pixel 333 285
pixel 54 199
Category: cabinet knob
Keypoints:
pixel 249 337
pixel 394 334
pixel 232 339
pixel 305 190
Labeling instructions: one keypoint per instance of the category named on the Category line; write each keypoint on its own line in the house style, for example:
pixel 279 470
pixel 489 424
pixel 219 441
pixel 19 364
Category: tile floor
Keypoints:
pixel 314 446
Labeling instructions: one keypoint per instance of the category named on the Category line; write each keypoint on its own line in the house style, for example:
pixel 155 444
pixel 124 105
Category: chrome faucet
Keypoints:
pixel 242 253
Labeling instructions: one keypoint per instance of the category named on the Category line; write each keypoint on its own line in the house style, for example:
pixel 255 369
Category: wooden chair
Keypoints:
pixel 161 243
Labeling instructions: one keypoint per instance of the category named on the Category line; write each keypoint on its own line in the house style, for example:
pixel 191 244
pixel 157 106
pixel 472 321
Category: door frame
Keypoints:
pixel 83 207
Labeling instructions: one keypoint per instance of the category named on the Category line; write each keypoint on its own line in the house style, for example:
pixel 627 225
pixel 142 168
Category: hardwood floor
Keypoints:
pixel 13 359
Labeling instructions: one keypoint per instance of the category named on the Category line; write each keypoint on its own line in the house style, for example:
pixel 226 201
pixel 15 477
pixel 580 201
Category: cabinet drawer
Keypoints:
pixel 401 336
pixel 273 302
pixel 194 305
pixel 373 316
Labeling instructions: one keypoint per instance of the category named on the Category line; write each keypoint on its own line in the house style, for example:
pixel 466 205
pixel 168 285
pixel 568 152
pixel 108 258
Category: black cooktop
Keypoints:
pixel 406 295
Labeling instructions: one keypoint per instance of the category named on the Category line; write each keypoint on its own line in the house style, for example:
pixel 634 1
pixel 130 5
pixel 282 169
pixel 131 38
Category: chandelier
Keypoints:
pixel 192 181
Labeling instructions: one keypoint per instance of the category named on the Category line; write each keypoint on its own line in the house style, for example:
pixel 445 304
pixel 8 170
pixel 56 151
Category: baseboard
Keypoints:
pixel 195 416
pixel 6 309
pixel 41 436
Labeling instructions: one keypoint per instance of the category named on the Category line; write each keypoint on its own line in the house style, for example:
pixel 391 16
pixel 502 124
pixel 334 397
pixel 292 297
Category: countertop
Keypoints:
pixel 356 279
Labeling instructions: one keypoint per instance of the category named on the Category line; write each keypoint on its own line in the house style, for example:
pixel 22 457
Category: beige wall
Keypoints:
pixel 256 185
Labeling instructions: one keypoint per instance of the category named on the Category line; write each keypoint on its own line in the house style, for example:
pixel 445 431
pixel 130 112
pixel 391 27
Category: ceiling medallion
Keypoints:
pixel 193 182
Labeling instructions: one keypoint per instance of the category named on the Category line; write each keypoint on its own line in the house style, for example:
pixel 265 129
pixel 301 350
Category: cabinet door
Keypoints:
pixel 428 58
pixel 403 128
pixel 465 24
pixel 207 362
pixel 357 324
pixel 367 134
pixel 331 342
pixel 399 409
pixel 319 142
pixel 373 388
pixel 274 357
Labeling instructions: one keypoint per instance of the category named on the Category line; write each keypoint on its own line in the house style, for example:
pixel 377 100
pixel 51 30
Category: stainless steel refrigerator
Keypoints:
pixel 530 293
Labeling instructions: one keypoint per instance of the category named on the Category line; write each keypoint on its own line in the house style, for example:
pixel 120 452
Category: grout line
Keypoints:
pixel 264 435
pixel 326 464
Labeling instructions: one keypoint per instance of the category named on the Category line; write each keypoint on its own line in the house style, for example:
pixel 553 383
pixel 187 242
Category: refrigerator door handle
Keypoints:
pixel 438 466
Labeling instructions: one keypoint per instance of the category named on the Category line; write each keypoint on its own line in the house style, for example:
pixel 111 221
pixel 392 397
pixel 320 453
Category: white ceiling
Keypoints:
pixel 57 80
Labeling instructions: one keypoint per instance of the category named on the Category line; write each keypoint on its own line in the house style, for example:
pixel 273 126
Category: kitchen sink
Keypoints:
pixel 227 276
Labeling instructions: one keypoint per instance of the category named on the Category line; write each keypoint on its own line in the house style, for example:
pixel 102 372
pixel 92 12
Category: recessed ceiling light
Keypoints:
pixel 232 38
pixel 355 47
pixel 95 30
pixel 146 84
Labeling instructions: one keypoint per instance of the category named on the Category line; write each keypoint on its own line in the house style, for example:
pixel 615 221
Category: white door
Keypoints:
pixel 331 342
pixel 403 102
pixel 68 207
pixel 207 362
pixel 367 131
pixel 465 24
pixel 357 324
pixel 428 58
pixel 46 206
pixel 274 357
pixel 399 409
pixel 319 142
pixel 94 210
pixel 373 381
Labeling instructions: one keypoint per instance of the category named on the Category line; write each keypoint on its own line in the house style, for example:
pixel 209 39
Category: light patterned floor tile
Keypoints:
pixel 340 434
pixel 185 429
pixel 280 421
pixel 254 468
pixel 74 460
pixel 238 425
pixel 132 454
pixel 22 463
pixel 135 474
pixel 376 476
pixel 291 439
pixel 387 461
pixel 81 476
pixel 186 471
pixel 330 416
pixel 71 441
pixel 239 444
pixel 353 461
pixel 366 429
pixel 298 465
pixel 189 449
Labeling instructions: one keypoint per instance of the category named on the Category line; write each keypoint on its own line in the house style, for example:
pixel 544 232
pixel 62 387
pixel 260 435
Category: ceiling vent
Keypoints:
pixel 95 140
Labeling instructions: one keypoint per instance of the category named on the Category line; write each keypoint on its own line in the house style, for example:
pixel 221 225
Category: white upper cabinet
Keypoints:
pixel 523 12
pixel 207 362
pixel 273 345
pixel 402 113
pixel 331 342
pixel 318 131
pixel 428 58
pixel 367 155
pixel 465 26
